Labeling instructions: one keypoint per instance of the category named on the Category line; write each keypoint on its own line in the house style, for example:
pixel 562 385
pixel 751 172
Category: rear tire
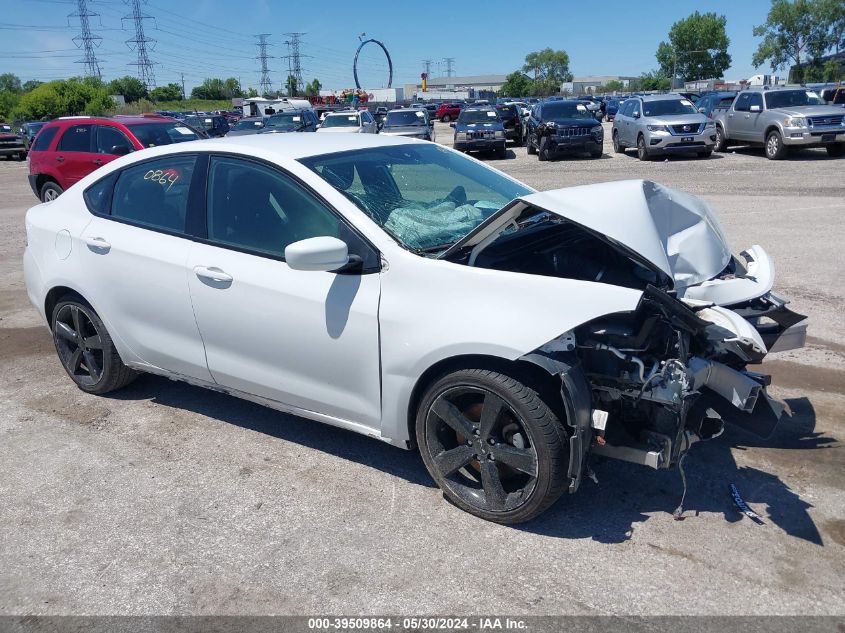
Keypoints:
pixel 617 146
pixel 775 149
pixel 86 349
pixel 446 118
pixel 529 147
pixel 493 445
pixel 50 191
pixel 836 150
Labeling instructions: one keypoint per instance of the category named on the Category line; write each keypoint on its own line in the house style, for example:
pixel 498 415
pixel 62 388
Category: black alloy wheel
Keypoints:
pixel 492 445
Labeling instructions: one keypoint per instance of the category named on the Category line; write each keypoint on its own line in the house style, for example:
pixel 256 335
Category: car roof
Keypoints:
pixel 296 146
pixel 343 112
pixel 666 97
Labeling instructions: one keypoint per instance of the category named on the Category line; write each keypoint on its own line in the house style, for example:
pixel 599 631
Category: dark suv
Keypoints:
pixel 68 149
pixel 479 130
pixel 290 121
pixel 563 126
pixel 512 121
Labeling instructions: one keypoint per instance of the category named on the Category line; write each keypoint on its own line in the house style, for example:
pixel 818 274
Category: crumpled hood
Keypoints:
pixel 674 232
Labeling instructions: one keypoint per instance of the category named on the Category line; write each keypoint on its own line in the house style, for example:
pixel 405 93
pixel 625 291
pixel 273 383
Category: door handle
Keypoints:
pixel 60 159
pixel 730 114
pixel 97 242
pixel 97 161
pixel 213 273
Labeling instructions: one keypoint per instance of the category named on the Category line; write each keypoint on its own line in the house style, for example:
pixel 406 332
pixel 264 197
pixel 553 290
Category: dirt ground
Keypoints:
pixel 168 499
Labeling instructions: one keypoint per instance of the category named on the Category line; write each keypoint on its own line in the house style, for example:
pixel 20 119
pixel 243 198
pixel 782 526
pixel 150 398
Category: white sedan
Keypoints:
pixel 399 289
pixel 355 121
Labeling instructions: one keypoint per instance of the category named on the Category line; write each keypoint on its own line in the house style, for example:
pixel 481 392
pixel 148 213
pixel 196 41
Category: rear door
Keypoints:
pixel 75 156
pixel 136 248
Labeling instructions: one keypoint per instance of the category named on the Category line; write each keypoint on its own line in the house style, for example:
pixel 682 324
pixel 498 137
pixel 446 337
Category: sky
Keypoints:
pixel 213 38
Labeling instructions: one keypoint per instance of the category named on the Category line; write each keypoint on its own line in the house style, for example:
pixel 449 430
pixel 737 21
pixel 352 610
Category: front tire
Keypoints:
pixel 705 153
pixel 543 149
pixel 775 149
pixel 493 445
pixel 836 150
pixel 446 118
pixel 85 348
pixel 642 150
pixel 721 141
pixel 50 191
pixel 529 147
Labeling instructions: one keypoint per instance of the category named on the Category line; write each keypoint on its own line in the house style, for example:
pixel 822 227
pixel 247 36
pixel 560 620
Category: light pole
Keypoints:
pixel 675 61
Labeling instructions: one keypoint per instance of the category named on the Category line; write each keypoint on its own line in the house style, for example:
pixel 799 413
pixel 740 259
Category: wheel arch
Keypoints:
pixel 530 373
pixel 772 127
pixel 42 179
pixel 55 294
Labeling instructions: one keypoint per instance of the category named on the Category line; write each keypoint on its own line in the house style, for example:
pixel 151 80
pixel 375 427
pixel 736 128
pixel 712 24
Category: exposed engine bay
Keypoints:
pixel 673 371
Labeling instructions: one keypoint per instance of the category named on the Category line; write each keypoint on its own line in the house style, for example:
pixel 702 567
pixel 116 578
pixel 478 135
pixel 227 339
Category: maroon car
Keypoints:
pixel 448 111
pixel 11 144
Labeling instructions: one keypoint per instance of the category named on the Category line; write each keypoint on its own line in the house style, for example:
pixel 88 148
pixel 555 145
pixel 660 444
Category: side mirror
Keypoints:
pixel 451 125
pixel 701 110
pixel 636 114
pixel 120 150
pixel 754 108
pixel 317 254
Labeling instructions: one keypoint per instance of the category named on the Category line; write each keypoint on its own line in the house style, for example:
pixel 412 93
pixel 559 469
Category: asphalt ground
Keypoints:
pixel 168 499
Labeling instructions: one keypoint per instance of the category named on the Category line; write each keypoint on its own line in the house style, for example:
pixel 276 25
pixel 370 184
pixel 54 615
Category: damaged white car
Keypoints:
pixel 402 290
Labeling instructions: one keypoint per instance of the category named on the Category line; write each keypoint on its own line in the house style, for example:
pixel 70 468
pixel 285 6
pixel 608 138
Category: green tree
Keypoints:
pixel 232 88
pixel 832 71
pixel 64 98
pixel 313 88
pixel 31 85
pixel 653 80
pixel 291 86
pixel 697 48
pixel 8 102
pixel 614 85
pixel 548 67
pixel 251 93
pixel 793 33
pixel 10 83
pixel 217 89
pixel 131 88
pixel 170 92
pixel 517 84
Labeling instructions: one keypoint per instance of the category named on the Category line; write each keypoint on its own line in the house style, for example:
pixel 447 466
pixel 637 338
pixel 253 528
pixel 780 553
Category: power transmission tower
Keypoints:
pixel 449 61
pixel 86 41
pixel 427 66
pixel 265 86
pixel 141 43
pixel 294 59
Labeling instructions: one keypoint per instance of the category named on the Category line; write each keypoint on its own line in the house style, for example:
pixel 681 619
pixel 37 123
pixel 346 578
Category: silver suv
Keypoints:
pixel 659 124
pixel 781 119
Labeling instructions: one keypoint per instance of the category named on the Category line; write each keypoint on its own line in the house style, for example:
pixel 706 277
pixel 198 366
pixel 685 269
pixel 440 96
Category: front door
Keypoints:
pixel 306 339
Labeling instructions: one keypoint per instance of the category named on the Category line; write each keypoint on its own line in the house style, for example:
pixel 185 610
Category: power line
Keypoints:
pixel 86 41
pixel 141 42
pixel 265 85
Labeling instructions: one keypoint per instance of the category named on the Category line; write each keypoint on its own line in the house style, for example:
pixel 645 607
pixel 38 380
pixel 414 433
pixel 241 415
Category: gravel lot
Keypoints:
pixel 168 499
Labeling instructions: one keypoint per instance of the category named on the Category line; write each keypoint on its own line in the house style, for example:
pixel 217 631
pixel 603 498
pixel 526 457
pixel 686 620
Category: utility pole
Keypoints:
pixel 449 61
pixel 141 44
pixel 182 75
pixel 294 60
pixel 85 40
pixel 265 86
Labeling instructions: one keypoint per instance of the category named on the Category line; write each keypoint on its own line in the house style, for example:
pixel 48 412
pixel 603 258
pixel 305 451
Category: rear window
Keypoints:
pixel 155 134
pixel 76 139
pixel 44 138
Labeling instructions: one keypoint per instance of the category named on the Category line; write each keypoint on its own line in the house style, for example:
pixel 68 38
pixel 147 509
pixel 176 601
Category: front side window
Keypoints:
pixel 256 208
pixel 155 193
pixel 44 138
pixel 742 102
pixel 76 138
pixel 109 138
pixel 756 100
pixel 425 197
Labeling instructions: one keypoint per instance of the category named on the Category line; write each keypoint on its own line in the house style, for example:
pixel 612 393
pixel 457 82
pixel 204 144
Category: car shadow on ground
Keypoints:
pixel 255 417
pixel 811 154
pixel 609 511
pixel 673 158
pixel 605 512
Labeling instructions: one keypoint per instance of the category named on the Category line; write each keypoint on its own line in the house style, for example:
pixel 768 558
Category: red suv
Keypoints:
pixel 448 111
pixel 68 149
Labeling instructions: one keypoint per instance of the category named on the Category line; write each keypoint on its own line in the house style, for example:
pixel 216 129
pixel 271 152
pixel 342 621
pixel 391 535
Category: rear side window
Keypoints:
pixel 155 193
pixel 44 138
pixel 76 138
pixel 98 196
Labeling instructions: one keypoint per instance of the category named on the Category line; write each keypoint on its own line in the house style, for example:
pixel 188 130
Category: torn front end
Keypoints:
pixel 668 375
